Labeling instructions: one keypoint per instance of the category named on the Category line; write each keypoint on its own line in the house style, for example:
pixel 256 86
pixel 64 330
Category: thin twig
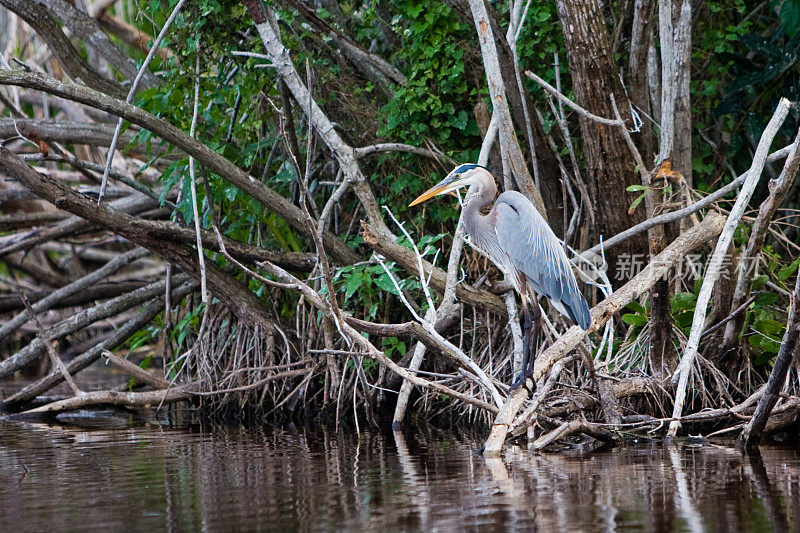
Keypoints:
pixel 193 186
pixel 573 105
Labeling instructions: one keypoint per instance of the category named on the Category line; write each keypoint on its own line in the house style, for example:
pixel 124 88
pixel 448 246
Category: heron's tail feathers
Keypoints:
pixel 573 305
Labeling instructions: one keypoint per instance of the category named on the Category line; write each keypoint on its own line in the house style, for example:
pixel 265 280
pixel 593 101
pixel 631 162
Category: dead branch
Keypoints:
pixel 69 58
pixel 437 277
pixel 509 145
pixel 26 240
pixel 777 192
pixel 68 132
pixel 686 211
pixel 123 399
pixel 26 220
pixel 54 358
pixel 136 372
pixel 88 29
pixel 573 427
pixel 88 357
pixel 131 35
pixel 81 284
pixel 681 375
pixel 380 148
pixel 232 292
pixel 581 111
pixel 373 67
pixel 80 320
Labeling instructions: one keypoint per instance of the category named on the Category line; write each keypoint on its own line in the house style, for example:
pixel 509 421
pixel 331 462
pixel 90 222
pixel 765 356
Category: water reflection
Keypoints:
pixel 56 478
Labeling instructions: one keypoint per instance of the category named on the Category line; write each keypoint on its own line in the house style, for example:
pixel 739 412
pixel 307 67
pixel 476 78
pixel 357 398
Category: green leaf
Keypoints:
pixel 760 281
pixel 231 192
pixel 683 301
pixel 767 326
pixel 765 299
pixel 460 121
pixel 637 188
pixel 634 320
pixel 353 283
pixel 784 273
pixel 414 10
pixel 636 307
pixel 790 17
pixel 637 202
pixel 384 283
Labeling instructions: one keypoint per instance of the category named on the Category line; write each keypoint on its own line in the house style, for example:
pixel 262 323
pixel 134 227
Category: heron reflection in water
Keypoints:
pixel 517 239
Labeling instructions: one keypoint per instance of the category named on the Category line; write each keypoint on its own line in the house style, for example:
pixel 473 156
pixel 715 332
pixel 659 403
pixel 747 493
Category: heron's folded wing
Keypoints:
pixel 533 248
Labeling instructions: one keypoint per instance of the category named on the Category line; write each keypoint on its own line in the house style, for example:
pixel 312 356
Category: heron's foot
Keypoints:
pixel 523 380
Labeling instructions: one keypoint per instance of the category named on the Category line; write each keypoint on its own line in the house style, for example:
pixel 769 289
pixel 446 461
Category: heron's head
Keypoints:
pixel 461 176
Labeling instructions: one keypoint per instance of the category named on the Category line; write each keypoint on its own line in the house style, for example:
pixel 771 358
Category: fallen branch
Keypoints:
pixel 54 358
pixel 80 320
pixel 573 427
pixel 233 293
pixel 147 400
pixel 56 296
pixel 136 372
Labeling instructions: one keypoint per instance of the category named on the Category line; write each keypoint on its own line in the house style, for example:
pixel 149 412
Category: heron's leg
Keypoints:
pixel 535 331
pixel 527 356
pixel 526 345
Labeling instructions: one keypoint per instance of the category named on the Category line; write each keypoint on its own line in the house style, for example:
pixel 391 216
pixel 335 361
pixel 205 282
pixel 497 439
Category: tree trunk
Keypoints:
pixel 641 39
pixel 682 53
pixel 610 164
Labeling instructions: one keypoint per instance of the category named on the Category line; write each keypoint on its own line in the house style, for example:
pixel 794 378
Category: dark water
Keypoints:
pixel 151 479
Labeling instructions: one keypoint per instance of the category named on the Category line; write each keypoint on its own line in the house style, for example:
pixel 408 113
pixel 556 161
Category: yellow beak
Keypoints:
pixel 450 183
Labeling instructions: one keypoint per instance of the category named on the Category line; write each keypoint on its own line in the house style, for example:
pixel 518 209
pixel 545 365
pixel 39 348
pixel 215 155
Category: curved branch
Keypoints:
pixel 686 211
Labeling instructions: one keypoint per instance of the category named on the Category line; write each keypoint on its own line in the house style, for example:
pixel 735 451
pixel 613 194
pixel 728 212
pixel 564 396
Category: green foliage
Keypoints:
pixel 435 102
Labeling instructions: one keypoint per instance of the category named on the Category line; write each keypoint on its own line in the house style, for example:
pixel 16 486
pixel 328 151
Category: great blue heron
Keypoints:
pixel 517 239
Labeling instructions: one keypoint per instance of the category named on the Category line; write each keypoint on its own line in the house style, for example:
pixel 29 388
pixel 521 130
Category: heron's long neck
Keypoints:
pixel 478 226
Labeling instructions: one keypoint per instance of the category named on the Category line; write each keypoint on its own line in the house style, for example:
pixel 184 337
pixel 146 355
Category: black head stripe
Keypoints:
pixel 465 167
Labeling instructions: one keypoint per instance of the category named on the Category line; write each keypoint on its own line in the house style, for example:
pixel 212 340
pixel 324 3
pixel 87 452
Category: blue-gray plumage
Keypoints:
pixel 519 241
